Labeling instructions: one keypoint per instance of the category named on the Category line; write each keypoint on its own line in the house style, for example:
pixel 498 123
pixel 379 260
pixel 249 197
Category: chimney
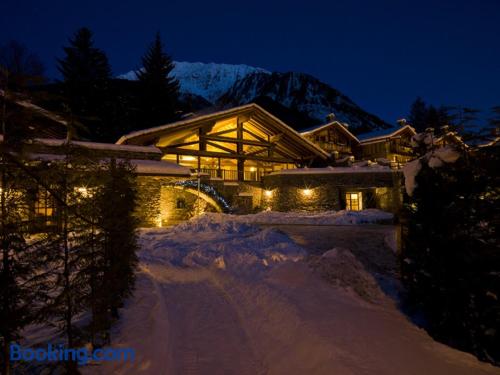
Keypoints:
pixel 330 117
pixel 346 125
pixel 402 122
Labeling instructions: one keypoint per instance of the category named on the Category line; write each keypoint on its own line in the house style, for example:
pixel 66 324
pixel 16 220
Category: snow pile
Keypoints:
pixel 434 159
pixel 222 244
pixel 341 268
pixel 343 217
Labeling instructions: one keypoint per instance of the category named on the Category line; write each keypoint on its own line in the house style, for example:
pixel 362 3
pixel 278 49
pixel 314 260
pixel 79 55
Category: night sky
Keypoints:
pixel 381 53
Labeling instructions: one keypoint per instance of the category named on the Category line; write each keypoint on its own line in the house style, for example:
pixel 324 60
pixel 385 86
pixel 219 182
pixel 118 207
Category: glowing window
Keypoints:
pixel 44 206
pixel 353 201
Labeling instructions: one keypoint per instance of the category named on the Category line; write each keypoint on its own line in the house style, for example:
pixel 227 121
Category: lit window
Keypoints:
pixel 354 201
pixel 44 206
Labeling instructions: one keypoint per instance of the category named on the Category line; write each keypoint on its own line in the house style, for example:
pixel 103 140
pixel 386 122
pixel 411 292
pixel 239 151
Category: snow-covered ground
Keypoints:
pixel 343 217
pixel 219 296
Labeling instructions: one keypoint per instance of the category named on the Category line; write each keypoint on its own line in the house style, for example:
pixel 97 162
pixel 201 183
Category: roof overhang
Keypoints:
pixel 382 138
pixel 333 124
pixel 252 111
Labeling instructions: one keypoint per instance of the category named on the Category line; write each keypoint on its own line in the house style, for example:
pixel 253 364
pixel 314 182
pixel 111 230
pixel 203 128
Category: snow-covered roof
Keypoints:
pixel 252 106
pixel 336 170
pixel 159 167
pixel 50 115
pixel 333 123
pixel 99 146
pixel 382 134
pixel 148 167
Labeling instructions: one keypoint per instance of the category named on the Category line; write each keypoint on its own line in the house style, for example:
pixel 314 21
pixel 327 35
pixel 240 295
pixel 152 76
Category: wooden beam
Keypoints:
pixel 180 151
pixel 255 136
pixel 220 147
pixel 256 152
pixel 222 132
pixel 183 144
pixel 235 140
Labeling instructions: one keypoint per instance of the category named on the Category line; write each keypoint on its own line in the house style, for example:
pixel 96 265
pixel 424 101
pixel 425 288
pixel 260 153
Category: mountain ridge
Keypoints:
pixel 227 85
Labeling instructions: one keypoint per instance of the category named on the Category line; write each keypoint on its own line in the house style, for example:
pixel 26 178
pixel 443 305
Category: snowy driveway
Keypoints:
pixel 227 298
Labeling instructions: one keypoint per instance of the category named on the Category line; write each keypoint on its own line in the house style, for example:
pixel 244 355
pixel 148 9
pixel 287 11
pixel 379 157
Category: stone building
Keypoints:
pixel 239 160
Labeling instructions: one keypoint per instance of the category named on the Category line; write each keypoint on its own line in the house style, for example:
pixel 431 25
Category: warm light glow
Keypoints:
pixel 188 158
pixel 159 222
pixel 253 169
pixel 307 192
pixel 83 191
pixel 268 193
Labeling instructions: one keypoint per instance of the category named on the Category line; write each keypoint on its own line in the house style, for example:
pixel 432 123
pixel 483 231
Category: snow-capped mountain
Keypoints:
pixel 225 85
pixel 303 93
pixel 208 80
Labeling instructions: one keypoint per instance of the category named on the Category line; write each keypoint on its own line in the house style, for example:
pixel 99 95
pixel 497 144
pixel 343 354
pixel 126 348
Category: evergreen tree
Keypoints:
pixel 418 115
pixel 23 279
pixel 19 68
pixel 86 74
pixel 493 128
pixel 159 91
pixel 465 120
pixel 450 257
pixel 116 202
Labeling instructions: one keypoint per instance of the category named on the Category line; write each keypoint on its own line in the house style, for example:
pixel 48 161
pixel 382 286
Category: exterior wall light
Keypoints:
pixel 307 192
pixel 83 191
pixel 268 193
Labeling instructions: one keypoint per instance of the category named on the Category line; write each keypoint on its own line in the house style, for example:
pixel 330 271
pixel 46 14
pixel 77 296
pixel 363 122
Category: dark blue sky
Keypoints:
pixel 380 53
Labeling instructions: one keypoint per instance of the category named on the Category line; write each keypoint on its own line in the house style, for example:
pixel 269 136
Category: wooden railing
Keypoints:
pixel 232 175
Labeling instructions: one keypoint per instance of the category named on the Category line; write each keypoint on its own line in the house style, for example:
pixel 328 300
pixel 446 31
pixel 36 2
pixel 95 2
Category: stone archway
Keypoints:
pixel 181 200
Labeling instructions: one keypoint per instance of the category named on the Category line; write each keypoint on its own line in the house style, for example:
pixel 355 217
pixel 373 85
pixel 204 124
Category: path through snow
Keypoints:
pixel 230 298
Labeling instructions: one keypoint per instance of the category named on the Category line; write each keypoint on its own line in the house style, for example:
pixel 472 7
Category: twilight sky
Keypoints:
pixel 381 53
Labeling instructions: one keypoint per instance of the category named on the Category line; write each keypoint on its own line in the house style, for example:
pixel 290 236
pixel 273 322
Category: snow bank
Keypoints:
pixel 434 159
pixel 343 217
pixel 220 243
pixel 341 268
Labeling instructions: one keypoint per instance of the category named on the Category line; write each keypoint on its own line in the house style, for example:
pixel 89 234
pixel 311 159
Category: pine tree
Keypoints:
pixel 160 91
pixel 493 128
pixel 86 74
pixel 72 245
pixel 450 256
pixel 418 115
pixel 19 68
pixel 23 279
pixel 117 204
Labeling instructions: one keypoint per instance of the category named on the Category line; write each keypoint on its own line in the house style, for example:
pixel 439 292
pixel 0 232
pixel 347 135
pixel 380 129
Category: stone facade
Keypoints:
pixel 162 201
pixel 327 191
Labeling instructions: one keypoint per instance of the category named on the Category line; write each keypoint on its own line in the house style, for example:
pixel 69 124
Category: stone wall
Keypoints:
pixel 162 203
pixel 320 192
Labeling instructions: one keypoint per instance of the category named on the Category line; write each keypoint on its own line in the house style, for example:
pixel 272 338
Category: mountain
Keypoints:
pixel 305 94
pixel 297 96
pixel 210 81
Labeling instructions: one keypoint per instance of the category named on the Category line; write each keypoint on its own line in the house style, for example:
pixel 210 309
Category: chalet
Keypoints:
pixel 334 137
pixel 239 160
pixel 448 138
pixel 392 144
pixel 240 144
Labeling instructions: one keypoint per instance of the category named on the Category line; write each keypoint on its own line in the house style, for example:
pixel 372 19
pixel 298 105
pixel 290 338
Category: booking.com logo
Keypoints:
pixel 82 356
